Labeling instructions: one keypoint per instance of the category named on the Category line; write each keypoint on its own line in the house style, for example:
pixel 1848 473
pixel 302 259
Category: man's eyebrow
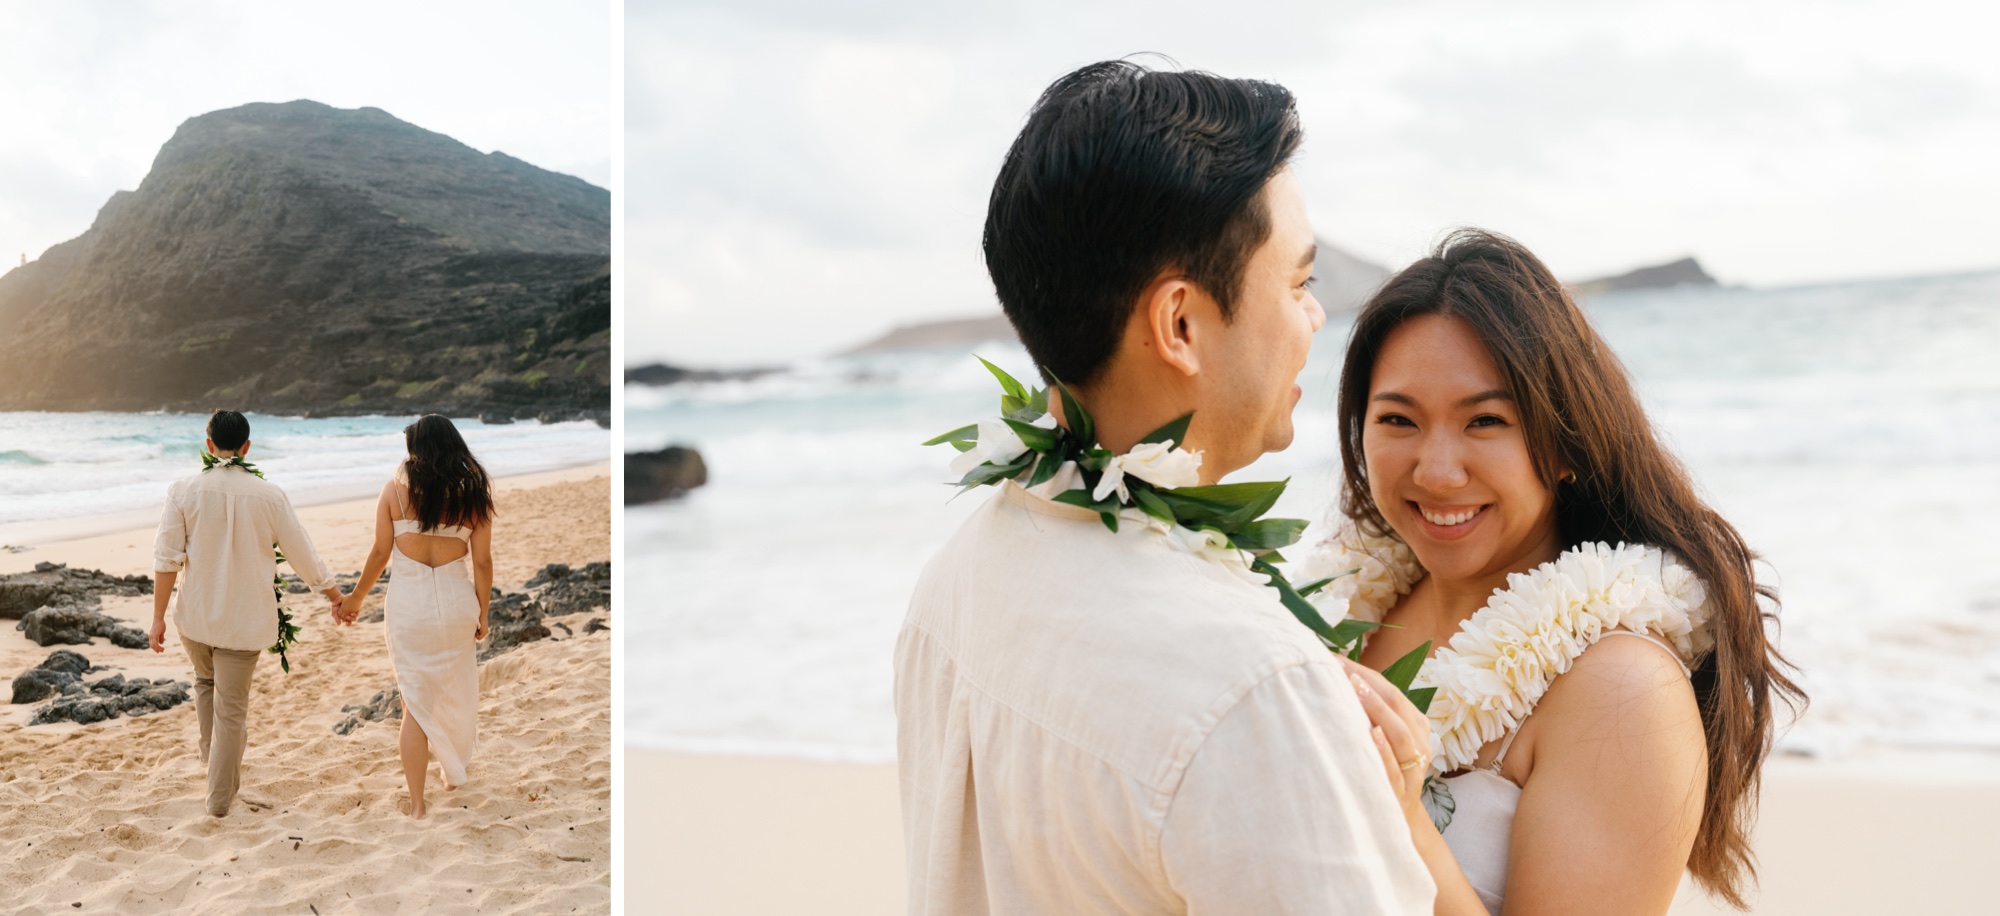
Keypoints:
pixel 1312 254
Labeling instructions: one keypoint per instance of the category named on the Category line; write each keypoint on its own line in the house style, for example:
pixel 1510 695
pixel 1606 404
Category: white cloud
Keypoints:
pixel 94 89
pixel 804 174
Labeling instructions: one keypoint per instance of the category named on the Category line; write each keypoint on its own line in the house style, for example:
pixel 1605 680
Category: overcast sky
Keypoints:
pixel 804 174
pixel 92 90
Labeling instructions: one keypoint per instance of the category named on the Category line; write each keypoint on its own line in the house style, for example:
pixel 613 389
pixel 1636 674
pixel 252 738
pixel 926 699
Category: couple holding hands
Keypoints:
pixel 1106 702
pixel 432 534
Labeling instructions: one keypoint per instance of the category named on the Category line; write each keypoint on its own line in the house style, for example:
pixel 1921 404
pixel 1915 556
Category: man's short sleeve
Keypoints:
pixel 1284 809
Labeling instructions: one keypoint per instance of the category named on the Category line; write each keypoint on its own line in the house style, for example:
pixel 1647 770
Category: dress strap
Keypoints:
pixel 1655 640
pixel 1505 743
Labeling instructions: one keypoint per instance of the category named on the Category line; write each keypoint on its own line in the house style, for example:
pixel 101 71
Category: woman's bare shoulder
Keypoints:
pixel 1621 689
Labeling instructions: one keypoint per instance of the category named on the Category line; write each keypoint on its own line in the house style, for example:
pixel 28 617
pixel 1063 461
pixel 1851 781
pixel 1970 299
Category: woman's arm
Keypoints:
pixel 482 572
pixel 1402 734
pixel 1617 770
pixel 378 556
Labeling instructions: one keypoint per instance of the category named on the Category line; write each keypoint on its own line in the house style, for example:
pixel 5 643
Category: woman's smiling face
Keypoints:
pixel 1448 464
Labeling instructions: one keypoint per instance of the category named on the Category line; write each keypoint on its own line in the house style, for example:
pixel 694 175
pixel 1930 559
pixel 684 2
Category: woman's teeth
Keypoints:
pixel 1448 519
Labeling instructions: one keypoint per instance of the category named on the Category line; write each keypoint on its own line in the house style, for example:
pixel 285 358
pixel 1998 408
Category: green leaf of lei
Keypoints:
pixel 1404 670
pixel 1175 432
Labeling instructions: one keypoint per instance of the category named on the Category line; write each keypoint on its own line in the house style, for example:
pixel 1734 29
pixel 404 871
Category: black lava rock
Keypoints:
pixel 665 474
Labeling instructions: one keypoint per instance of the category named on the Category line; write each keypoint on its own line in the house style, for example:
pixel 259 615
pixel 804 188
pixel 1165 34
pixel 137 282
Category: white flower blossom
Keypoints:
pixel 1162 465
pixel 1113 481
pixel 1215 546
pixel 1157 463
pixel 998 443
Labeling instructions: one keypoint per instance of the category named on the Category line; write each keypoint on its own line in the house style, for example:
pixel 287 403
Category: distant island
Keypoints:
pixel 1684 272
pixel 296 258
pixel 1343 283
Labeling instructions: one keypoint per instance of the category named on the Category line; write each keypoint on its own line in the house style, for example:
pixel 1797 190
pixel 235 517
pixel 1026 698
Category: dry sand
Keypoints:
pixel 110 815
pixel 1890 833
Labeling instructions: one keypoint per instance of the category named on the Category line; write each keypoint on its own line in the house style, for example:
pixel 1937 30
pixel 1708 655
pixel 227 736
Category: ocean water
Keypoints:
pixel 64 465
pixel 1851 431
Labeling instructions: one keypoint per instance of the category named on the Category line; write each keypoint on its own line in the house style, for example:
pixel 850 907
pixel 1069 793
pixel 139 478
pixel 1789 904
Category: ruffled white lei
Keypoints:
pixel 1502 660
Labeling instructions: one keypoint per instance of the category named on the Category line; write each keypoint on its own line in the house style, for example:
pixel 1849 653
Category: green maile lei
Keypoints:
pixel 1234 511
pixel 288 632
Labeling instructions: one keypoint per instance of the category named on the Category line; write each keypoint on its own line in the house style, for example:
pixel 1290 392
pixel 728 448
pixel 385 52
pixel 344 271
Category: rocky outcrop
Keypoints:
pixel 1684 272
pixel 661 374
pixel 565 591
pixel 386 705
pixel 669 473
pixel 110 698
pixel 301 259
pixel 61 676
pixel 57 605
pixel 56 585
pixel 74 626
pixel 61 669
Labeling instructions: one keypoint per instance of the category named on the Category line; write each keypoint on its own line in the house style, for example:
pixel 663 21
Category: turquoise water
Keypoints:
pixel 1851 431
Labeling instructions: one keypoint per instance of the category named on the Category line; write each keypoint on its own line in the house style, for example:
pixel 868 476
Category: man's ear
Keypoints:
pixel 1171 329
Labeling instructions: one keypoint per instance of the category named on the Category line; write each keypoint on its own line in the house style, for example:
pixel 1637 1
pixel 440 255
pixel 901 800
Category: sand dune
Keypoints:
pixel 110 815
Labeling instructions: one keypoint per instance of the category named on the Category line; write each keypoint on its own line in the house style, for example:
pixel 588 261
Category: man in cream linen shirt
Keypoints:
pixel 215 540
pixel 1090 722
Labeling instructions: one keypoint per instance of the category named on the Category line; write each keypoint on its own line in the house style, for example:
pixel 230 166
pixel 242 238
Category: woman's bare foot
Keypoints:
pixel 417 811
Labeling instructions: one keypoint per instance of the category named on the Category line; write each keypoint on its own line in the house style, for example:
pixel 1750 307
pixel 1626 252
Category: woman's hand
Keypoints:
pixel 480 632
pixel 350 607
pixel 1402 734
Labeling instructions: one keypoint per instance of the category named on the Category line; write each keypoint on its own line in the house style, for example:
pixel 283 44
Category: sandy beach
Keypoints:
pixel 1876 833
pixel 109 815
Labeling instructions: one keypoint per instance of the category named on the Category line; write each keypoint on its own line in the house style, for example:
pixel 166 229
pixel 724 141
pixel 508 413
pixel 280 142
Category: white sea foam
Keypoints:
pixel 63 465
pixel 1852 432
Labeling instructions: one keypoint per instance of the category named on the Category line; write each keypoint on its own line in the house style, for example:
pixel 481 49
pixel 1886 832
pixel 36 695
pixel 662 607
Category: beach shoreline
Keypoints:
pixel 109 815
pixel 1873 832
pixel 23 537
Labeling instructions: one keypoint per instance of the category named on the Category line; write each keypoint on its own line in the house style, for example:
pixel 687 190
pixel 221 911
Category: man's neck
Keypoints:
pixel 1125 412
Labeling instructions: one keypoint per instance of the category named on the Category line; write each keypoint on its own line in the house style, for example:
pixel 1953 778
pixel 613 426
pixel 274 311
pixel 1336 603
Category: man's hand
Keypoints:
pixel 159 635
pixel 333 599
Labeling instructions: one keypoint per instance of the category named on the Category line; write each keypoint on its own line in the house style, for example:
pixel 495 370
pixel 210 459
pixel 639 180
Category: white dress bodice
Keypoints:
pixel 1483 821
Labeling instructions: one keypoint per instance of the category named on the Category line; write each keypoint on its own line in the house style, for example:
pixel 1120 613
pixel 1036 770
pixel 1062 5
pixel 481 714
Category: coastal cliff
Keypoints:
pixel 300 259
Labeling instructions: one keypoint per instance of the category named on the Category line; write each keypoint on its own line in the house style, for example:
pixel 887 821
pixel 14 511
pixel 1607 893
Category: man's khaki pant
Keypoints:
pixel 222 703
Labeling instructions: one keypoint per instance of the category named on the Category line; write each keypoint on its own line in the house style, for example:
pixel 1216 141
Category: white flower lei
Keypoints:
pixel 1501 661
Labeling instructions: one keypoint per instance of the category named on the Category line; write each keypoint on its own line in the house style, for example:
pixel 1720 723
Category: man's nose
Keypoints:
pixel 1315 311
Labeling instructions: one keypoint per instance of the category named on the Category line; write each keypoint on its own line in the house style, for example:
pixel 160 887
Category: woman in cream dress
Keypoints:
pixel 1494 452
pixel 433 531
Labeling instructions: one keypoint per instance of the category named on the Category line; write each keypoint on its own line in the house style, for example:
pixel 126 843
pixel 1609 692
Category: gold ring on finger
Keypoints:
pixel 1412 763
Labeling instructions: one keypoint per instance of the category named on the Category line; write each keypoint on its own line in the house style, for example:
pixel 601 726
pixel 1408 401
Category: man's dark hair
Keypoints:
pixel 1123 172
pixel 228 430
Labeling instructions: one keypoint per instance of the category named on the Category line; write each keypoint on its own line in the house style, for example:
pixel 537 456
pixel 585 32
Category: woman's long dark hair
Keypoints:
pixel 447 485
pixel 1578 411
